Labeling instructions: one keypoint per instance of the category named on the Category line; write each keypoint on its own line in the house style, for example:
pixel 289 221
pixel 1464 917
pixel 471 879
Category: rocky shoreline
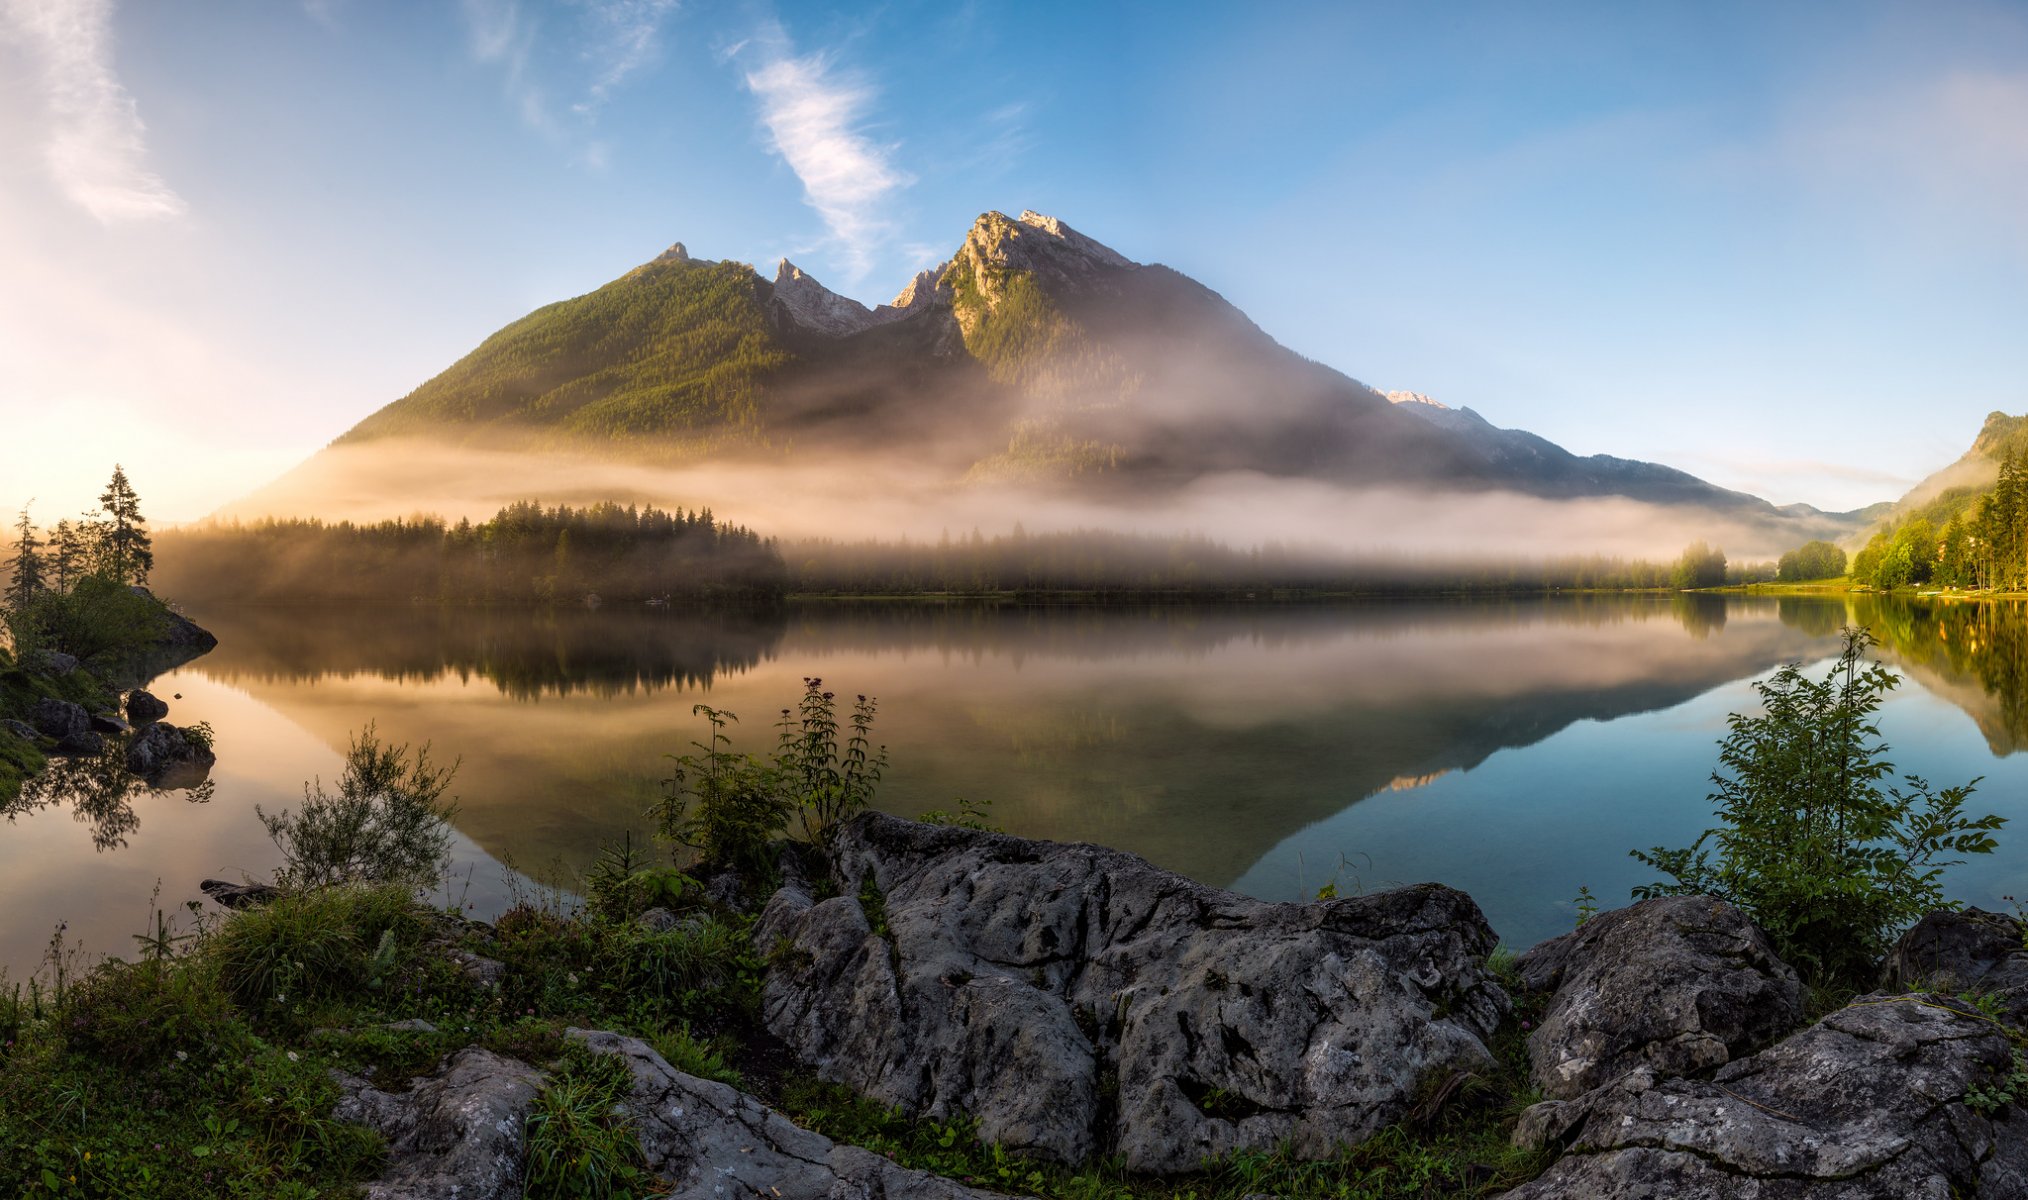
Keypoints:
pixel 1072 1002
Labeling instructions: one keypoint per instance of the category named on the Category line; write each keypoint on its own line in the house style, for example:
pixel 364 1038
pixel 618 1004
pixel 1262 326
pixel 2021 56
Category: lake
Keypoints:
pixel 1514 748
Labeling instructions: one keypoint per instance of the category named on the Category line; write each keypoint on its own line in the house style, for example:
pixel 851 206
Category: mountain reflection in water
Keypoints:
pixel 1514 747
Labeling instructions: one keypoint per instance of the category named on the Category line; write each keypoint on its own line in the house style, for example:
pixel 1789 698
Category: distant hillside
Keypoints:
pixel 1035 354
pixel 1965 526
pixel 1955 488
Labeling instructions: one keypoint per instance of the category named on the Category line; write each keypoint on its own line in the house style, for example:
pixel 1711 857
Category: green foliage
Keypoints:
pixel 388 824
pixel 971 814
pixel 128 553
pixel 525 553
pixel 728 807
pixel 732 808
pixel 1989 1098
pixel 312 946
pixel 679 349
pixel 97 620
pixel 1814 844
pixel 1811 560
pixel 1699 567
pixel 580 1144
pixel 1587 906
pixel 692 1055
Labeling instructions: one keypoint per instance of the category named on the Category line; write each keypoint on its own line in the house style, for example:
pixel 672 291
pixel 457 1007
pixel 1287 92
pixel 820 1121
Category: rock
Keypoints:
pixel 657 920
pixel 69 724
pixel 1868 1103
pixel 411 1025
pixel 1970 950
pixel 709 1141
pixel 463 1134
pixel 110 723
pixel 20 729
pixel 460 1134
pixel 179 640
pixel 143 707
pixel 1026 984
pixel 486 972
pixel 239 895
pixel 813 306
pixel 56 662
pixel 1679 984
pixel 164 755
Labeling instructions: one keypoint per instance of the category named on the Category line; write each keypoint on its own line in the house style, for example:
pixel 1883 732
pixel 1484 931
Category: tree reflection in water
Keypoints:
pixel 101 793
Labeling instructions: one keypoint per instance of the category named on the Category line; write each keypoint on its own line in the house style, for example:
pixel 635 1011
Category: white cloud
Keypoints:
pixel 611 42
pixel 95 148
pixel 627 36
pixel 813 115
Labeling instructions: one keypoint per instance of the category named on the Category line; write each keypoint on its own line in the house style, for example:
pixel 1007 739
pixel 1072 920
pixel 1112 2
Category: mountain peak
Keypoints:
pixel 1414 398
pixel 1037 242
pixel 815 307
pixel 675 253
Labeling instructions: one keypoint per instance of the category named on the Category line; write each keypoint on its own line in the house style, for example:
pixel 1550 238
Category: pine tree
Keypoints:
pixel 130 553
pixel 67 557
pixel 28 564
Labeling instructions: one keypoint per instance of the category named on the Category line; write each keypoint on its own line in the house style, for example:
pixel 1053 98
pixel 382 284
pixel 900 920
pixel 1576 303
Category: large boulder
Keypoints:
pixel 69 724
pixel 1868 1104
pixel 1678 984
pixel 460 1134
pixel 164 755
pixel 144 706
pixel 463 1135
pixel 707 1141
pixel 1074 999
pixel 1970 950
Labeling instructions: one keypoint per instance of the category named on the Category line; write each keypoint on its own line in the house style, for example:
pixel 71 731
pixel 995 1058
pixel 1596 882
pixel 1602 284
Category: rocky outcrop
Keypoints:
pixel 1970 950
pixel 1679 984
pixel 68 724
pixel 814 307
pixel 178 641
pixel 1869 1104
pixel 708 1141
pixel 239 895
pixel 163 755
pixel 462 1135
pixel 1074 999
pixel 143 707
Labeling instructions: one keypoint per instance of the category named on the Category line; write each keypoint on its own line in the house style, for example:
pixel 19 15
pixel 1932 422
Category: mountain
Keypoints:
pixel 1034 354
pixel 1952 490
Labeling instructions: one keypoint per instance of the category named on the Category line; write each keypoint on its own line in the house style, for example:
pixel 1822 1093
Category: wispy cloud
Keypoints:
pixel 584 61
pixel 814 115
pixel 96 149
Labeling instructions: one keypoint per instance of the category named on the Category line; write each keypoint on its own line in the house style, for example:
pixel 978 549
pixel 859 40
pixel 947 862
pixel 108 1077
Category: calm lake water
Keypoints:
pixel 1516 749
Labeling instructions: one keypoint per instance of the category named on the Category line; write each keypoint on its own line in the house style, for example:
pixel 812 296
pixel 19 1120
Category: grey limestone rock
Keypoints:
pixel 69 724
pixel 1868 1104
pixel 164 754
pixel 239 895
pixel 1970 950
pixel 708 1141
pixel 460 1135
pixel 1072 998
pixel 1679 984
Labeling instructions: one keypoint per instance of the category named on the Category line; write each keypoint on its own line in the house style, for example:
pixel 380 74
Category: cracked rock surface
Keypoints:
pixel 1075 999
pixel 1967 950
pixel 1868 1104
pixel 1678 984
pixel 462 1135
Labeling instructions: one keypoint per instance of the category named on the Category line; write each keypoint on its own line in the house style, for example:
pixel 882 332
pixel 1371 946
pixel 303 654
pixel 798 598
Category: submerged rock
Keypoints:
pixel 1970 950
pixel 463 1135
pixel 162 754
pixel 1678 984
pixel 69 724
pixel 1868 1104
pixel 1074 999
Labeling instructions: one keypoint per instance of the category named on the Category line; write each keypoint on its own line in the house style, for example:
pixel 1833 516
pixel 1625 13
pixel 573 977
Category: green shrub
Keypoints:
pixel 1826 856
pixel 97 620
pixel 728 807
pixel 310 946
pixel 142 1014
pixel 387 824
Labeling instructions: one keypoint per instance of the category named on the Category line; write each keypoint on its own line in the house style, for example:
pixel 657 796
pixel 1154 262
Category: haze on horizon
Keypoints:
pixel 1781 250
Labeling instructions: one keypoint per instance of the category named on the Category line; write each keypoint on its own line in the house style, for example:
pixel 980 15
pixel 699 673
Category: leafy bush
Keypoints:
pixel 1828 858
pixel 98 619
pixel 140 1014
pixel 388 824
pixel 829 783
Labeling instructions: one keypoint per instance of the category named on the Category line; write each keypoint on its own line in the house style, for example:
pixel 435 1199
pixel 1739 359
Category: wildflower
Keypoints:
pixel 183 1056
pixel 292 1056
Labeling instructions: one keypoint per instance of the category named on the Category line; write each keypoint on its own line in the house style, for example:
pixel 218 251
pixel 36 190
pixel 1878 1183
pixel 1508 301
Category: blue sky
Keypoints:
pixel 1784 246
